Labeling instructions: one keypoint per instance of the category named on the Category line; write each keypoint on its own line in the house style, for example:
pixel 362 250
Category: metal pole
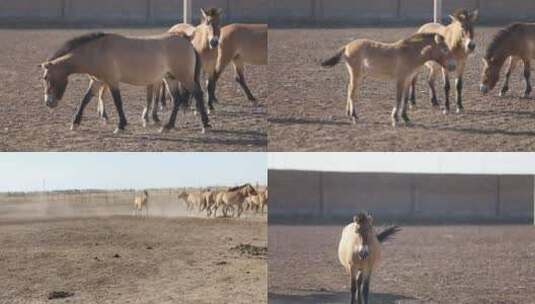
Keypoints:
pixel 187 11
pixel 437 11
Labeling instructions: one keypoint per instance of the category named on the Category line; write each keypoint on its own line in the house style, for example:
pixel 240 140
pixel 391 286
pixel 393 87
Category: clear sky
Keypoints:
pixel 426 162
pixel 59 171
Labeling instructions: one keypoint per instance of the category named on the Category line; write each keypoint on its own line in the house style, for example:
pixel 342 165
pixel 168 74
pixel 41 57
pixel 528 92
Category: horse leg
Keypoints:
pixel 459 86
pixel 431 82
pixel 527 75
pixel 447 88
pixel 366 288
pixel 87 98
pixel 240 78
pixel 405 104
pixel 163 91
pixel 352 88
pixel 359 287
pixel 511 65
pixel 413 90
pixel 116 94
pixel 177 100
pixel 154 112
pixel 211 91
pixel 199 105
pixel 399 95
pixel 101 109
pixel 145 115
pixel 353 281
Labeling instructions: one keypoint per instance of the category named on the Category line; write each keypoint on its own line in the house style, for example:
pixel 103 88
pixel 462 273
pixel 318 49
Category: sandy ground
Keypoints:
pixel 307 102
pixel 423 264
pixel 118 258
pixel 27 124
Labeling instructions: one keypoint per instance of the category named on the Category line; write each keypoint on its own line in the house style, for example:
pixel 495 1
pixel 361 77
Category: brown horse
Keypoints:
pixel 359 251
pixel 234 197
pixel 115 59
pixel 516 41
pixel 459 36
pixel 399 60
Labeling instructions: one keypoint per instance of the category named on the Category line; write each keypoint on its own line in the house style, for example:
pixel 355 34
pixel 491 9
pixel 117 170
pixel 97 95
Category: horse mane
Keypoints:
pixel 418 37
pixel 76 42
pixel 238 187
pixel 212 12
pixel 500 37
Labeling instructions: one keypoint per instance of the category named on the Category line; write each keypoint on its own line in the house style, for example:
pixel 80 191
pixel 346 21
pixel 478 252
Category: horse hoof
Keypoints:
pixel 74 126
pixel 118 131
pixel 459 110
pixel 445 112
pixel 394 124
pixel 144 124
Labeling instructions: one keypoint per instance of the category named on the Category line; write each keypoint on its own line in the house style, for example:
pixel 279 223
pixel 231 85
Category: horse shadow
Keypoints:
pixel 336 297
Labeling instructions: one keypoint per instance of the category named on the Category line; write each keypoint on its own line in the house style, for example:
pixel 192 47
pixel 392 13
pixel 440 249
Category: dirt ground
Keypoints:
pixel 422 264
pixel 27 124
pixel 307 102
pixel 126 259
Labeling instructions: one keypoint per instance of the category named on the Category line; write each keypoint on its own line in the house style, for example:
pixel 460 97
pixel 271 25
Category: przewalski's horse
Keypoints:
pixel 205 39
pixel 192 199
pixel 459 36
pixel 140 202
pixel 399 61
pixel 234 197
pixel 115 59
pixel 208 201
pixel 516 41
pixel 359 251
pixel 258 202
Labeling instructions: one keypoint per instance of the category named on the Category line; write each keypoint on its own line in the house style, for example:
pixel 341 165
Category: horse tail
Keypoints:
pixel 386 234
pixel 334 60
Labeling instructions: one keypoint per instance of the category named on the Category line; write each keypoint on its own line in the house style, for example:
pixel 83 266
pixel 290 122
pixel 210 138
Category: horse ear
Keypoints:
pixel 203 13
pixel 474 15
pixel 355 219
pixel 453 18
pixel 439 39
pixel 370 218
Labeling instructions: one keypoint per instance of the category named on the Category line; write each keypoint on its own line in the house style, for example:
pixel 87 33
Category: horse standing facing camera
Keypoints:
pixel 359 251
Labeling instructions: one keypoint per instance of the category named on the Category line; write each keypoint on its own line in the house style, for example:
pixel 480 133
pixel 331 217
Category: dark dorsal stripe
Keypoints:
pixel 75 43
pixel 499 38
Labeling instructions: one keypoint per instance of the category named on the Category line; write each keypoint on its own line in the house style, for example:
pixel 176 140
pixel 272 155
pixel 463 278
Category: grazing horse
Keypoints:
pixel 516 41
pixel 140 202
pixel 234 197
pixel 459 36
pixel 399 60
pixel 359 251
pixel 109 59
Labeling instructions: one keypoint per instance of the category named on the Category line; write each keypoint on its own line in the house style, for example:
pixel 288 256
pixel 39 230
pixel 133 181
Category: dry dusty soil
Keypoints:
pixel 125 259
pixel 307 102
pixel 27 124
pixel 422 264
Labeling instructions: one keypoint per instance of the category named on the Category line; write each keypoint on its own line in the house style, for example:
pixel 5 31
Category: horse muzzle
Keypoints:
pixel 451 65
pixel 214 42
pixel 471 46
pixel 363 252
pixel 50 101
pixel 484 89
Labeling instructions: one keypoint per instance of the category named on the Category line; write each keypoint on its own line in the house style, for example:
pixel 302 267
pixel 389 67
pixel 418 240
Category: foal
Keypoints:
pixel 399 60
pixel 516 41
pixel 141 202
pixel 359 251
pixel 459 36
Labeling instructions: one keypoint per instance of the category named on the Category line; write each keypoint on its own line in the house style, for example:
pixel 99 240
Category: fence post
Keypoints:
pixel 437 11
pixel 187 11
pixel 498 202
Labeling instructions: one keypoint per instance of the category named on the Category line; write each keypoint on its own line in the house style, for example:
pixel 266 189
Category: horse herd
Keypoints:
pixel 441 49
pixel 232 201
pixel 168 63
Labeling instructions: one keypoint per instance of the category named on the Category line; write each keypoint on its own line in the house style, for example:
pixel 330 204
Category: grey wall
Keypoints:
pixel 401 195
pixel 277 11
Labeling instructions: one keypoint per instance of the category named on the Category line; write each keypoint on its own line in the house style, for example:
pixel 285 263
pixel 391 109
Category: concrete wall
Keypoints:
pixel 276 11
pixel 401 195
